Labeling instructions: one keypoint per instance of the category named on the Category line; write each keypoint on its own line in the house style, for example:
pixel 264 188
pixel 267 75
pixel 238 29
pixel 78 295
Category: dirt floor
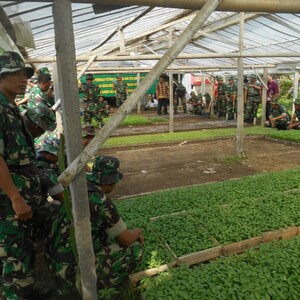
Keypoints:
pixel 170 165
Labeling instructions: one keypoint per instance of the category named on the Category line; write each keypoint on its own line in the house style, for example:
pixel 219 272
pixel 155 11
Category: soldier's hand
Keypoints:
pixel 22 209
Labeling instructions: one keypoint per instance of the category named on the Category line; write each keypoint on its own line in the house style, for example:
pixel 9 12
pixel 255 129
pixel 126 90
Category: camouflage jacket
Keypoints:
pixel 37 96
pixel 16 144
pixel 221 89
pixel 231 89
pixel 106 224
pixel 278 111
pixel 90 91
pixel 49 178
pixel 121 87
pixel 251 91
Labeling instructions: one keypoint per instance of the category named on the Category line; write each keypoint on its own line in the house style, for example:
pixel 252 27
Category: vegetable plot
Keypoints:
pixel 270 272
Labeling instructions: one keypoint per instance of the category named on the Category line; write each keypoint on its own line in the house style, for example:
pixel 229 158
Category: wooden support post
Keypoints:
pixel 64 43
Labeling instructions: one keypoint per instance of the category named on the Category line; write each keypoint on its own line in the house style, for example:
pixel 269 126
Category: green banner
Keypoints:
pixel 105 82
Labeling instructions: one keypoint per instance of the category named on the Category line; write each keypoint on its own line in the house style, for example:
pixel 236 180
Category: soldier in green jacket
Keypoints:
pixel 120 87
pixel 231 93
pixel 19 182
pixel 117 249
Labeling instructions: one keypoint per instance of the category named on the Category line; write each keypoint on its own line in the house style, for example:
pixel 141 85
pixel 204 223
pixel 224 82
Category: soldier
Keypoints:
pixel 196 104
pixel 19 183
pixel 102 111
pixel 252 95
pixel 221 98
pixel 279 117
pixel 91 93
pixel 231 93
pixel 295 120
pixel 120 87
pixel 117 249
pixel 180 92
pixel 39 93
pixel 46 161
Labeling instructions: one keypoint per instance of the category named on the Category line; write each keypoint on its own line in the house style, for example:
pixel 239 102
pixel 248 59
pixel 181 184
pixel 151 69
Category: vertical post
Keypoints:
pixel 121 39
pixel 65 47
pixel 240 94
pixel 171 87
pixel 264 97
pixel 296 85
pixel 171 102
pixel 138 79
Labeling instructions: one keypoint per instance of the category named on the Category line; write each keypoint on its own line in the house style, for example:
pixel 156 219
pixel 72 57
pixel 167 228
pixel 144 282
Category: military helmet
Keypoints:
pixel 11 62
pixel 220 78
pixel 105 170
pixel 50 145
pixel 89 77
pixel 44 70
pixel 231 77
pixel 253 76
pixel 297 101
pixel 42 116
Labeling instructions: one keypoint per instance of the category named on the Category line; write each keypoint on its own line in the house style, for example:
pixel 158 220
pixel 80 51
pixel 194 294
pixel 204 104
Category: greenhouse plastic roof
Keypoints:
pixel 147 31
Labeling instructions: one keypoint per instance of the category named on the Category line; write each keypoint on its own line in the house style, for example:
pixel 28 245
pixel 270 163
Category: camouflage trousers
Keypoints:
pixel 113 265
pixel 89 111
pixel 16 238
pixel 221 106
pixel 120 99
pixel 251 109
pixel 231 109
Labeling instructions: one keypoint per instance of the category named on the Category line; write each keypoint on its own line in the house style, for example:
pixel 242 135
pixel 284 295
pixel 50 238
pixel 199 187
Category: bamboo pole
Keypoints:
pixel 240 94
pixel 85 58
pixel 79 163
pixel 64 43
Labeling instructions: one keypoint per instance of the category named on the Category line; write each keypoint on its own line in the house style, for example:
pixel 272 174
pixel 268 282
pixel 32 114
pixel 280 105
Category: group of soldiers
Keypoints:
pixel 33 208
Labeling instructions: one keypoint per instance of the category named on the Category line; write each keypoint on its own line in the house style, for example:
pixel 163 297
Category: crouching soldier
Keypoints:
pixel 279 116
pixel 295 120
pixel 117 249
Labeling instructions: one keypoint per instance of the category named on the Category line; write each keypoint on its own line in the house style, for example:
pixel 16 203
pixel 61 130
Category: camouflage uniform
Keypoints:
pixel 91 93
pixel 102 112
pixel 252 99
pixel 279 110
pixel 121 92
pixel 113 262
pixel 180 92
pixel 295 120
pixel 196 102
pixel 47 134
pixel 231 93
pixel 221 98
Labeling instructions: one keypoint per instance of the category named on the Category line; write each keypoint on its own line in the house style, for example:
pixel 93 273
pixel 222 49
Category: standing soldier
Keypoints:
pixel 120 87
pixel 221 98
pixel 272 93
pixel 19 183
pixel 252 99
pixel 231 93
pixel 91 93
pixel 180 92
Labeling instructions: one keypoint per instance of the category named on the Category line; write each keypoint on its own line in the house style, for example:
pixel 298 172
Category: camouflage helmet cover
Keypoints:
pixel 105 171
pixel 89 77
pixel 220 78
pixel 12 62
pixel 42 116
pixel 50 145
pixel 253 76
pixel 44 70
pixel 231 77
pixel 297 101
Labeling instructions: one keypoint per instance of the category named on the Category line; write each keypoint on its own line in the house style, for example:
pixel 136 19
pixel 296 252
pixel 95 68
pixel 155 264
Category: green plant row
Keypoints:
pixel 289 135
pixel 213 214
pixel 270 272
